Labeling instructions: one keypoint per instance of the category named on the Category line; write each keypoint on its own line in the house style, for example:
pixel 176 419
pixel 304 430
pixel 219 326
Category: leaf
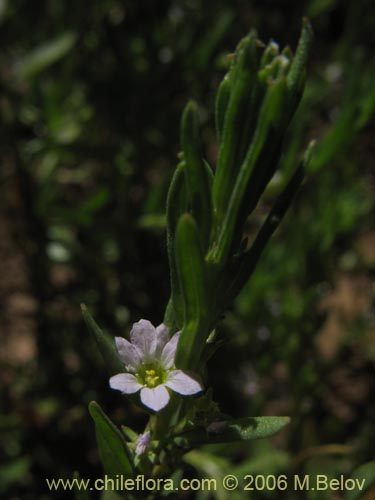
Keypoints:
pixel 221 105
pixel 129 433
pixel 245 169
pixel 210 466
pixel 169 318
pixel 367 103
pixel 176 206
pixel 242 77
pixel 297 72
pixel 104 342
pixel 250 258
pixel 114 452
pixel 269 54
pixel 244 429
pixel 176 199
pixel 264 457
pixel 44 55
pixel 364 472
pixel 270 126
pixel 197 182
pixel 193 284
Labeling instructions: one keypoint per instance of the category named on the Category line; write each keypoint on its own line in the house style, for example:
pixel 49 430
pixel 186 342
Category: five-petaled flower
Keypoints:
pixel 149 361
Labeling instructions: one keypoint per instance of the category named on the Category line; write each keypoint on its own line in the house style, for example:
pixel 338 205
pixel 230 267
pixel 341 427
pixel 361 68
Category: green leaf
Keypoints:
pixel 114 452
pixel 237 121
pixel 176 206
pixel 269 54
pixel 279 66
pixel 44 55
pixel 364 473
pixel 210 466
pixel 270 126
pixel 297 73
pixel 176 199
pixel 197 182
pixel 104 342
pixel 337 139
pixel 129 433
pixel 249 260
pixel 244 169
pixel 367 102
pixel 244 429
pixel 193 284
pixel 221 105
pixel 264 457
pixel 209 174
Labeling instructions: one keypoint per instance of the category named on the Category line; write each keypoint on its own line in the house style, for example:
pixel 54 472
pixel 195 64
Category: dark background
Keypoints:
pixel 91 98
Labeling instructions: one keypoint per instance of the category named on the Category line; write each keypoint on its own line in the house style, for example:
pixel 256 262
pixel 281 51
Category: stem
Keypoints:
pixel 162 422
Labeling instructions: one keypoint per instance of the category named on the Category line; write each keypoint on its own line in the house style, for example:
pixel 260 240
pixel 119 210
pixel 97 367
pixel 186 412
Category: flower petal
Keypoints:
pixel 155 398
pixel 179 381
pixel 143 443
pixel 169 351
pixel 128 353
pixel 125 382
pixel 143 336
pixel 162 337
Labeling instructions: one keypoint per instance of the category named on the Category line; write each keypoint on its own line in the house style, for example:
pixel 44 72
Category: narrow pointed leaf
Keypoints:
pixel 212 466
pixel 113 449
pixel 250 259
pixel 129 433
pixel 105 343
pixel 297 73
pixel 192 278
pixel 238 112
pixel 176 206
pixel 42 56
pixel 270 124
pixel 244 429
pixel 269 54
pixel 198 188
pixel 209 174
pixel 169 318
pixel 177 198
pixel 222 100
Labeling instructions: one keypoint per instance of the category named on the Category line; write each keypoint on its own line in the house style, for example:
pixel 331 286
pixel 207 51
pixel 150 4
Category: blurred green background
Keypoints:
pixel 91 98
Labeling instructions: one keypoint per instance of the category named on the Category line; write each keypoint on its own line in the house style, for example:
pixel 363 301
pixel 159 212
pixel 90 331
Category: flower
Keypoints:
pixel 149 361
pixel 143 442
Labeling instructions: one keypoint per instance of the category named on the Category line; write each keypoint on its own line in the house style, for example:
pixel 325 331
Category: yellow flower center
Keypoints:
pixel 151 375
pixel 151 378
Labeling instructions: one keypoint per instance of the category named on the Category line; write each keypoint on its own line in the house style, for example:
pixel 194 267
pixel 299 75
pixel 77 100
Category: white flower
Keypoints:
pixel 143 442
pixel 149 359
